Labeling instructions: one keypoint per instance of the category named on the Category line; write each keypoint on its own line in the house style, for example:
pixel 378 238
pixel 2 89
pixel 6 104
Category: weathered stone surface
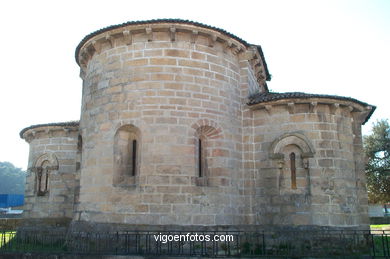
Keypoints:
pixel 148 106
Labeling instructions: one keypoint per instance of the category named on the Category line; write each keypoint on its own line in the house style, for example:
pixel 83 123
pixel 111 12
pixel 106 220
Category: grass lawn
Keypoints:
pixel 9 242
pixel 5 237
pixel 380 226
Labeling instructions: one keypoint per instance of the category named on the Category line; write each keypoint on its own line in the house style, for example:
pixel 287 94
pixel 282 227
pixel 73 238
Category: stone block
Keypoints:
pixel 174 198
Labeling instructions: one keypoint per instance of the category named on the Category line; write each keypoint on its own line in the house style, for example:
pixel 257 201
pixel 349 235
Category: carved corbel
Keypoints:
pixel 85 54
pixel 227 45
pixel 249 55
pixel 313 106
pixel 90 49
pixel 96 46
pixel 194 36
pixel 359 116
pixel 268 108
pixel 149 33
pixel 110 40
pixel 172 31
pixel 334 107
pixel 212 40
pixel 291 108
pixel 237 50
pixel 128 37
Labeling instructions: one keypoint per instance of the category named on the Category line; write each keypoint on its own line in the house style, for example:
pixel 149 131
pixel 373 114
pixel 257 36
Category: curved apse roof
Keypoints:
pixel 274 96
pixel 155 21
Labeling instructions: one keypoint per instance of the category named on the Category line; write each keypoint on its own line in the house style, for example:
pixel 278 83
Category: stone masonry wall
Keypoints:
pixel 54 148
pixel 327 192
pixel 169 91
pixel 168 140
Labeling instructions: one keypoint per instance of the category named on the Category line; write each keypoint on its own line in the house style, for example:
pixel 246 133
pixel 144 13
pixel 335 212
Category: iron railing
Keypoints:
pixel 324 243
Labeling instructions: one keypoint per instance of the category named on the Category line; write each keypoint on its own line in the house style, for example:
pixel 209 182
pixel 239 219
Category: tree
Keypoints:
pixel 377 150
pixel 12 179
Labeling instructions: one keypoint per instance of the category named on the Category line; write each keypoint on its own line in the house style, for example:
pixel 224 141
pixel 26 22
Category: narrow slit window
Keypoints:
pixel 47 178
pixel 134 158
pixel 200 158
pixel 293 171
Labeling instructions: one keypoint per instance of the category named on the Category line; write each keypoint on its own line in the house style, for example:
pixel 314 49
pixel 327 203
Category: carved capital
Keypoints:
pixel 305 162
pixel 280 164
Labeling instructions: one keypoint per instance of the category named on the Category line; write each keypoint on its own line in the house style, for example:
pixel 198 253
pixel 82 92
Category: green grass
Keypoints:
pixel 380 226
pixel 5 237
pixel 10 242
pixel 381 243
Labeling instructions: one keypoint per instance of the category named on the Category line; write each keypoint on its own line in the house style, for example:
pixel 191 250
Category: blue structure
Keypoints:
pixel 11 200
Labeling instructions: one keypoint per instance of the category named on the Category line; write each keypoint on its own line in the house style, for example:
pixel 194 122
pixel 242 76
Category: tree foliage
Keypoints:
pixel 377 150
pixel 12 179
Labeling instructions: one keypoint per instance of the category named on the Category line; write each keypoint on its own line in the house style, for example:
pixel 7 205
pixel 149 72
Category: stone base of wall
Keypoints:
pixel 10 223
pixel 44 224
pixel 66 224
pixel 69 237
pixel 83 226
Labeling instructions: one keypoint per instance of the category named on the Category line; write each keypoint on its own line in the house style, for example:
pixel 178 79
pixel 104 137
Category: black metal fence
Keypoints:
pixel 343 244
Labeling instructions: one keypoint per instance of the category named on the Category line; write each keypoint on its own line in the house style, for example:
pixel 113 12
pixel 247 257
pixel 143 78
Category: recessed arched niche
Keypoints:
pixel 290 153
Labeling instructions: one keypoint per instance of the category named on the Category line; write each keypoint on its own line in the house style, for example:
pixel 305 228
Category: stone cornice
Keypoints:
pixel 147 26
pixel 29 133
pixel 357 110
pixel 124 34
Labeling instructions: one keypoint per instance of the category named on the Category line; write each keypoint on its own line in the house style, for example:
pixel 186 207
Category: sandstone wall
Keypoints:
pixel 166 93
pixel 169 138
pixel 326 139
pixel 53 179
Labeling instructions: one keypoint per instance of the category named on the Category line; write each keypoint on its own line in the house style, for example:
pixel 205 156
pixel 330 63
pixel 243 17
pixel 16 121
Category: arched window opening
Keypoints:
pixel 43 178
pixel 126 155
pixel 293 171
pixel 79 144
pixel 134 157
pixel 43 168
pixel 208 156
pixel 79 151
pixel 200 158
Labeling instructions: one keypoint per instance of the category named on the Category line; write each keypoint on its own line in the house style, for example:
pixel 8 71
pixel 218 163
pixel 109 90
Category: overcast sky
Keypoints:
pixel 329 47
